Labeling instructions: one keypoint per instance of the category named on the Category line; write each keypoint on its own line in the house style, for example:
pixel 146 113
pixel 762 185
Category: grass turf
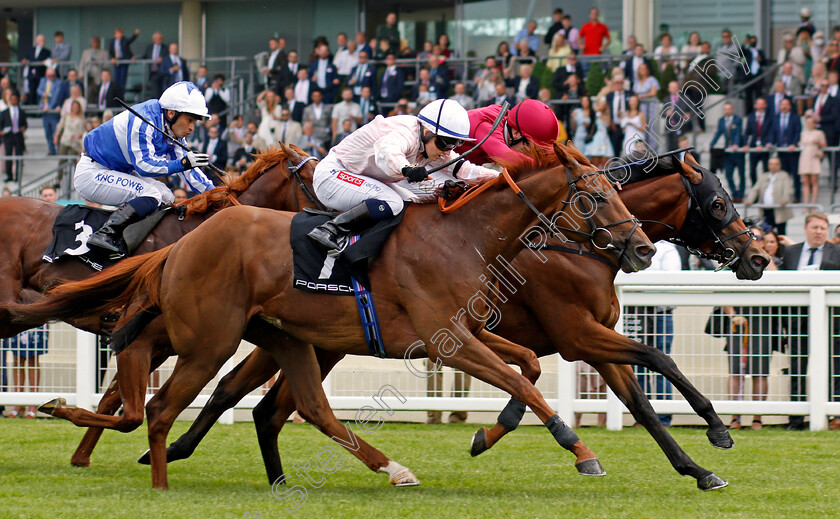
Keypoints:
pixel 772 473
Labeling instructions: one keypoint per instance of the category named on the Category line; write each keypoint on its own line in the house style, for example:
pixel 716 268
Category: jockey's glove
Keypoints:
pixel 195 160
pixel 415 174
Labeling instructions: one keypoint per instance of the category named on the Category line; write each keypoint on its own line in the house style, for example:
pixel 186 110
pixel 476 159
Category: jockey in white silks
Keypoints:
pixel 123 153
pixel 372 173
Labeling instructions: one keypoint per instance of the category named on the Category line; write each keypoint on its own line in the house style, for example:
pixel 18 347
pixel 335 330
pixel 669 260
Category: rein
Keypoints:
pixel 552 228
pixel 230 196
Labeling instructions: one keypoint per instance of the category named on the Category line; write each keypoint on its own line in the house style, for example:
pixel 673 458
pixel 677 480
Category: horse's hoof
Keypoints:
pixel 590 468
pixel 479 442
pixel 711 482
pixel 404 478
pixel 80 462
pixel 720 438
pixel 52 406
pixel 145 459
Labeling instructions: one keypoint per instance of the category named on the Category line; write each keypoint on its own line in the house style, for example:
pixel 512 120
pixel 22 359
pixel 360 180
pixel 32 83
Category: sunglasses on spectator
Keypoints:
pixel 447 143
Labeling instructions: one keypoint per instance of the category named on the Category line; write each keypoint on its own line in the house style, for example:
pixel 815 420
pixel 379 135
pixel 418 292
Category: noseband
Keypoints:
pixel 294 169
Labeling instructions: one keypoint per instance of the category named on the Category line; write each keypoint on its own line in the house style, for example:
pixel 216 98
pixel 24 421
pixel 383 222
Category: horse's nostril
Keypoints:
pixel 644 251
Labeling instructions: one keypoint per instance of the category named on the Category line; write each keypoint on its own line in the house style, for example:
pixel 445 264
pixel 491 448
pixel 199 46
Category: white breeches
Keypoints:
pixel 96 183
pixel 341 190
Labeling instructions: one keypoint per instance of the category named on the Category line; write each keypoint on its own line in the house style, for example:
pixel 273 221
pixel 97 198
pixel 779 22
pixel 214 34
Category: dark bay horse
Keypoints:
pixel 249 283
pixel 674 201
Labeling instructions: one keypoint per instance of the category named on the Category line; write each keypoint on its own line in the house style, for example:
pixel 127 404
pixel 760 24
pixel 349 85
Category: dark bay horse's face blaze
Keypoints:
pixel 718 214
pixel 594 200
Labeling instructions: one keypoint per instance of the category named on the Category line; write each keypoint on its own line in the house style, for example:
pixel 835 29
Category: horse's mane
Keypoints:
pixel 664 166
pixel 533 158
pixel 216 199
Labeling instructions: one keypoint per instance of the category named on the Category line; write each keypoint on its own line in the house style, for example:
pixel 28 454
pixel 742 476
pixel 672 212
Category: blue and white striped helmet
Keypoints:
pixel 185 97
pixel 447 118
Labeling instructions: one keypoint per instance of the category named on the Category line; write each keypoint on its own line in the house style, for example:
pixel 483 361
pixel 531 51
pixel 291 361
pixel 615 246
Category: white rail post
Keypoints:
pixel 227 416
pixel 818 358
pixel 566 391
pixel 86 375
pixel 615 408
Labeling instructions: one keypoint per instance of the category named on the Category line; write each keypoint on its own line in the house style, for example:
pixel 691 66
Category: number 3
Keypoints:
pixel 81 238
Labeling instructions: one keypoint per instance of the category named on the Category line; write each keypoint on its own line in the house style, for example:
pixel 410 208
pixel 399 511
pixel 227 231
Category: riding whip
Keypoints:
pixel 177 143
pixel 496 124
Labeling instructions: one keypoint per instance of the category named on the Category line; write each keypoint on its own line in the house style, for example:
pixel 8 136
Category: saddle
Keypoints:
pixel 76 223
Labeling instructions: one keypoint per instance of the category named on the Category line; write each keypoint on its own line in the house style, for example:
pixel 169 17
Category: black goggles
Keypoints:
pixel 447 143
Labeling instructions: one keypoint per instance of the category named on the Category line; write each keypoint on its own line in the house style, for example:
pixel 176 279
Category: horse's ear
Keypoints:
pixel 565 157
pixel 687 170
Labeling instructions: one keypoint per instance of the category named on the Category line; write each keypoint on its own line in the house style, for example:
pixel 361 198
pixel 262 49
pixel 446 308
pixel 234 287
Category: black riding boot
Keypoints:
pixel 109 236
pixel 329 234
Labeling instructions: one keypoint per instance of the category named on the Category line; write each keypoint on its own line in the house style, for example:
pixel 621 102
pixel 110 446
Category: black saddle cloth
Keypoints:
pixel 317 271
pixel 75 224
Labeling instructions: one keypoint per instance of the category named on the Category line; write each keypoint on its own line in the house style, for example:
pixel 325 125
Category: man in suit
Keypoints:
pixel 617 103
pixel 501 96
pixel 61 52
pixel 760 132
pixel 827 113
pixel 438 75
pixel 362 45
pixel 216 147
pixel 287 130
pixel 324 74
pixel 296 108
pixel 774 100
pixel 33 72
pixel 793 86
pixel 309 143
pixel 729 127
pixel 93 61
pixel 12 127
pixel 304 87
pixel 632 64
pixel 103 97
pixel 461 96
pixel 272 71
pixel 788 128
pixel 320 115
pixel 50 98
pixel 289 71
pixel 367 105
pixel 815 253
pixel 774 187
pixel 173 68
pixel 525 86
pixel 677 116
pixel 243 157
pixel 218 99
pixel 155 51
pixel 361 75
pixel 119 48
pixel 560 81
pixel 393 80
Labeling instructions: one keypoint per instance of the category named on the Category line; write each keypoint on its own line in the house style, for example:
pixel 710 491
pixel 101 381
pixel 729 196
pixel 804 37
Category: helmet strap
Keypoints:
pixel 424 139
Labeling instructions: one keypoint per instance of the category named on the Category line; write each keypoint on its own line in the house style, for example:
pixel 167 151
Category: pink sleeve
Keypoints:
pixel 495 147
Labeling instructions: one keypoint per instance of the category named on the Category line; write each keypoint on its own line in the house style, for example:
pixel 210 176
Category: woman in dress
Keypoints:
pixel 270 111
pixel 583 128
pixel 692 48
pixel 633 123
pixel 68 134
pixel 600 149
pixel 812 141
pixel 647 88
pixel 665 52
pixel 560 48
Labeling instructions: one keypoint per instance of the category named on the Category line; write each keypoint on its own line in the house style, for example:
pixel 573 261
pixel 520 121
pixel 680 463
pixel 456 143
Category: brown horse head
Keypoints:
pixel 733 242
pixel 595 200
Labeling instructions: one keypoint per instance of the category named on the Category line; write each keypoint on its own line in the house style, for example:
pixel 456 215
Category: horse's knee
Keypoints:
pixel 130 421
pixel 531 368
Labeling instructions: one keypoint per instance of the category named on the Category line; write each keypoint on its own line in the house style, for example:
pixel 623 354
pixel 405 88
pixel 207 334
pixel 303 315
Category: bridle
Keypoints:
pixel 294 169
pixel 698 222
pixel 573 198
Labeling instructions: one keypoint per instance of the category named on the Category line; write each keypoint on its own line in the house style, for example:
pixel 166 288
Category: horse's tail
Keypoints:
pixel 117 286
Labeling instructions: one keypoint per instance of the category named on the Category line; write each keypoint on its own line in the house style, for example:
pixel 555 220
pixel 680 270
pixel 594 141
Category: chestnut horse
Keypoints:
pixel 278 179
pixel 663 199
pixel 251 284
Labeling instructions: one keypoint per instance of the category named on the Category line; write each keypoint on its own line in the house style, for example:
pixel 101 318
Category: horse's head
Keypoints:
pixel 713 226
pixel 280 178
pixel 593 211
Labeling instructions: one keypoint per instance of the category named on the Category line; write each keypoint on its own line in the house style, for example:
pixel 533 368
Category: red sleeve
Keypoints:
pixel 495 147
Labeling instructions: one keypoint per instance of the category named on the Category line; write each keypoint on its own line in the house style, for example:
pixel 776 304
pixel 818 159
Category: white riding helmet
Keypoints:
pixel 185 97
pixel 447 118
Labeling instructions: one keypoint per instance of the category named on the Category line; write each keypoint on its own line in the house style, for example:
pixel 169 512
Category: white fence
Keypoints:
pixel 68 369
